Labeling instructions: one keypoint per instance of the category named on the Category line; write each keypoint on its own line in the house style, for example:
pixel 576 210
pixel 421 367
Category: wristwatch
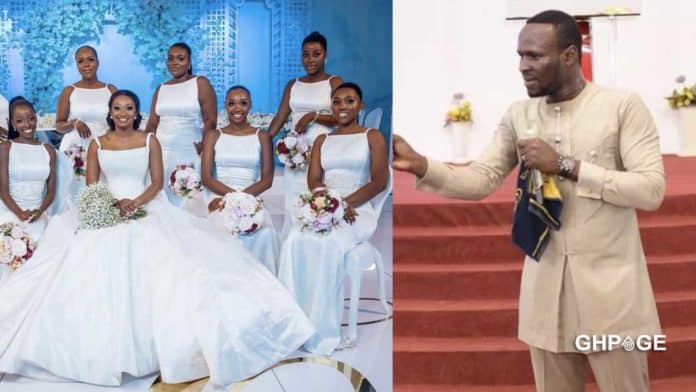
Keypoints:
pixel 566 165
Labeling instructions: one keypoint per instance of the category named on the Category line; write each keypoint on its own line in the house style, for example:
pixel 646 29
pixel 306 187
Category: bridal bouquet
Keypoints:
pixel 242 213
pixel 320 211
pixel 96 208
pixel 185 181
pixel 76 153
pixel 16 246
pixel 293 151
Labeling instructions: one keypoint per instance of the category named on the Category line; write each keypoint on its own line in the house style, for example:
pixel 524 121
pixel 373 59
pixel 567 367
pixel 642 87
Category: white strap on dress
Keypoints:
pixel 147 140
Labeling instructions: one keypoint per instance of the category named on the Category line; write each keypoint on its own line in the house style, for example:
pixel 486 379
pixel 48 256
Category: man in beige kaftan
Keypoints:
pixel 603 147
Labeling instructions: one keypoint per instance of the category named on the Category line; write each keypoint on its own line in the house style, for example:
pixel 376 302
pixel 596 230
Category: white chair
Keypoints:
pixel 365 257
pixel 373 119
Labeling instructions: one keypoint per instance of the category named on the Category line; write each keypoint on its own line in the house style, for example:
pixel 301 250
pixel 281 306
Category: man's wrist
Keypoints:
pixel 421 166
pixel 566 165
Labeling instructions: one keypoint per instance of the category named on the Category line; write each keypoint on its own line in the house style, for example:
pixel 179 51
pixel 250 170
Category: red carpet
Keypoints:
pixel 456 283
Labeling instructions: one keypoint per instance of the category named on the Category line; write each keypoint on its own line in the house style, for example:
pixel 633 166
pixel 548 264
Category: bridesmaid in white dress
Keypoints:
pixel 243 158
pixel 167 292
pixel 351 161
pixel 181 109
pixel 307 100
pixel 27 174
pixel 82 108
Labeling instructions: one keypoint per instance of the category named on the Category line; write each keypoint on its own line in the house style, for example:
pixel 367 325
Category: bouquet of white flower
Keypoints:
pixel 185 181
pixel 96 208
pixel 293 150
pixel 16 246
pixel 242 213
pixel 320 211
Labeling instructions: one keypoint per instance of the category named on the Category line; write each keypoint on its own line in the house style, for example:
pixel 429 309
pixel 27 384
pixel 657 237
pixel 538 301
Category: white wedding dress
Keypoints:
pixel 238 165
pixel 166 292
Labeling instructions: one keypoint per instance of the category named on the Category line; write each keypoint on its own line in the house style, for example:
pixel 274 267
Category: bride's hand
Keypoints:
pixel 215 204
pixel 127 207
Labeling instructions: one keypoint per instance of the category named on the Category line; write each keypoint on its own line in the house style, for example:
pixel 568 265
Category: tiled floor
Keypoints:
pixel 372 356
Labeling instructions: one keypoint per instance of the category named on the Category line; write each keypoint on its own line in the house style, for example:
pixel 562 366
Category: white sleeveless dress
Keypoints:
pixel 304 98
pixel 90 106
pixel 29 169
pixel 166 292
pixel 311 265
pixel 180 126
pixel 238 165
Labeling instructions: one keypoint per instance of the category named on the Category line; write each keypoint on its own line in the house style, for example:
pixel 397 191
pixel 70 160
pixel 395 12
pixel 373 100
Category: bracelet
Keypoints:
pixel 319 188
pixel 316 115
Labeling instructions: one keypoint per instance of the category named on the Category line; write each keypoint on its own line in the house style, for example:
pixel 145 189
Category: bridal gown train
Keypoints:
pixel 166 292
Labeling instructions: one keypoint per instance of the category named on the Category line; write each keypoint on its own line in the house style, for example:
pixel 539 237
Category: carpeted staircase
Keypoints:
pixel 457 277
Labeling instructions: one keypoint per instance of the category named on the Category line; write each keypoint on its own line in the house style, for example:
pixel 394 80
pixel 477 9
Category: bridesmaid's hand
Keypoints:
pixel 349 214
pixel 25 215
pixel 82 129
pixel 199 147
pixel 215 204
pixel 35 214
pixel 127 207
pixel 304 122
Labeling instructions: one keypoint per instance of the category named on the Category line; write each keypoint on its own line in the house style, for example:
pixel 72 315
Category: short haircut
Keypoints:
pixel 566 28
pixel 315 36
pixel 349 85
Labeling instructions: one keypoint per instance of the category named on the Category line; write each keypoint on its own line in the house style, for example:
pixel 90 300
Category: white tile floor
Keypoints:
pixel 372 356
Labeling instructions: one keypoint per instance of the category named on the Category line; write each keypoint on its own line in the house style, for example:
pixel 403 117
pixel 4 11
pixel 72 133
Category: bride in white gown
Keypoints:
pixel 165 292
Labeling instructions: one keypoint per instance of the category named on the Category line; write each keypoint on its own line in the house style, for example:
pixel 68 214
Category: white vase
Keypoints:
pixel 687 130
pixel 461 141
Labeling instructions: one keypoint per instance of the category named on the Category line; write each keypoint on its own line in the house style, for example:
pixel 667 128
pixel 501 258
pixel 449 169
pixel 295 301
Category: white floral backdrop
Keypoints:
pixel 44 34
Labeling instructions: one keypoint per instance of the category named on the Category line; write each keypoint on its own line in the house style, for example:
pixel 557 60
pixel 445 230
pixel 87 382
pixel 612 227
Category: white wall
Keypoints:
pixel 450 46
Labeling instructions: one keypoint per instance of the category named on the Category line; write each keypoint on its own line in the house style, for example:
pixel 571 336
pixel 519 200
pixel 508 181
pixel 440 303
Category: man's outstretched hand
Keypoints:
pixel 406 158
